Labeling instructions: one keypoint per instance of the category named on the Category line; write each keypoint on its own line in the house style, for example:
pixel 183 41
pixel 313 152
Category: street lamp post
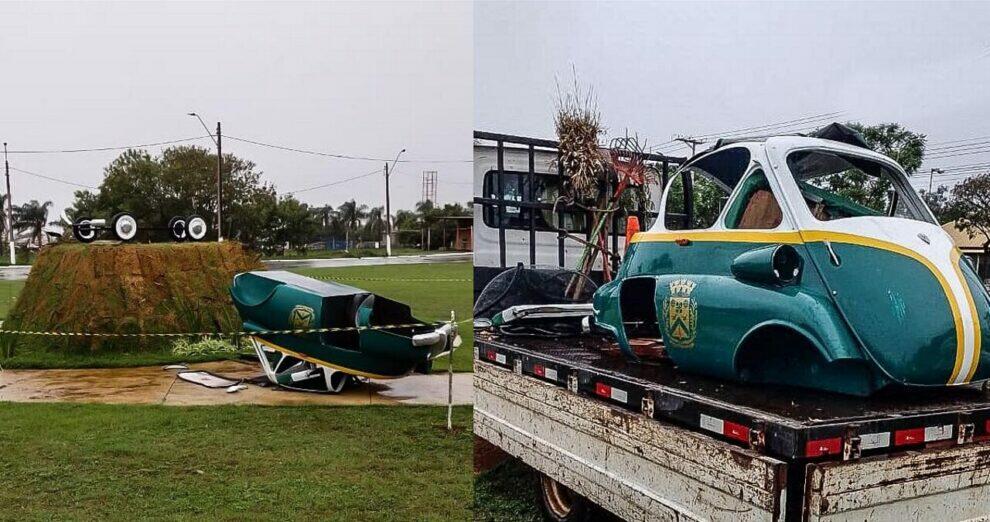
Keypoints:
pixel 218 140
pixel 931 177
pixel 388 208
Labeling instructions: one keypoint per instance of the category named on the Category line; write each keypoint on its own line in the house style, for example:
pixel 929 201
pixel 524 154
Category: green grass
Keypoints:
pixel 87 462
pixel 8 293
pixel 506 493
pixel 430 300
pixel 354 252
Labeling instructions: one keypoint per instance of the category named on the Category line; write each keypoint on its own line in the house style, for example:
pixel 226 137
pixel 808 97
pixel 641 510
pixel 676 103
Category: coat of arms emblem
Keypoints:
pixel 301 317
pixel 680 312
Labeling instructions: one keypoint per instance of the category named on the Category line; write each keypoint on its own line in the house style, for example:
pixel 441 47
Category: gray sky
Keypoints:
pixel 690 68
pixel 358 78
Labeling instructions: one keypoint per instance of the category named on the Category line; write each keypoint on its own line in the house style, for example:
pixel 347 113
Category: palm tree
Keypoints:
pixel 350 215
pixel 374 227
pixel 32 216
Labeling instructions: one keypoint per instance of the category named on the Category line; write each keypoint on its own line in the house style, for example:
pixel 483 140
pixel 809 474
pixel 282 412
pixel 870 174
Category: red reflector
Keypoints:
pixel 603 389
pixel 539 371
pixel 735 431
pixel 817 448
pixel 912 436
pixel 490 355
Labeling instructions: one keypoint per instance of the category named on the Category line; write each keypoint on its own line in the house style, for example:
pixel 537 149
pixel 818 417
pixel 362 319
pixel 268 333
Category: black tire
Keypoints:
pixel 338 382
pixel 560 504
pixel 177 229
pixel 193 224
pixel 82 231
pixel 128 233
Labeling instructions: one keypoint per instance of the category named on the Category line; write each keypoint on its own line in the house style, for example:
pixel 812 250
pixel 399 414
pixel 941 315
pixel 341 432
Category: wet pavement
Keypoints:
pixel 153 385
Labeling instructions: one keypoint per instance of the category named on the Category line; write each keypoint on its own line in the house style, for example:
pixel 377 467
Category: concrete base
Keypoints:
pixel 152 385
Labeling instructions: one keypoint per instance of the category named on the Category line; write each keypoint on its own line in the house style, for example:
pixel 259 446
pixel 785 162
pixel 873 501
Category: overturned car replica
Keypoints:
pixel 124 227
pixel 328 333
pixel 801 261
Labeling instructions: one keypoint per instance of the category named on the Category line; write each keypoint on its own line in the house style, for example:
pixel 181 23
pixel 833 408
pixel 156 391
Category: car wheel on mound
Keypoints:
pixel 196 227
pixel 83 231
pixel 177 228
pixel 560 504
pixel 124 226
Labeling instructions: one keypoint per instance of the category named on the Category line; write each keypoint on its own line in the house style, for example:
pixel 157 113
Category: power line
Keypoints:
pixel 960 140
pixel 983 150
pixel 51 178
pixel 336 155
pixel 768 126
pixel 338 182
pixel 103 149
pixel 951 147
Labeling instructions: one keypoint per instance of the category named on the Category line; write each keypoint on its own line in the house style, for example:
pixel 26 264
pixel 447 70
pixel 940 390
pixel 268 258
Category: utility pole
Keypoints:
pixel 693 142
pixel 931 177
pixel 388 207
pixel 388 217
pixel 10 208
pixel 219 185
pixel 216 140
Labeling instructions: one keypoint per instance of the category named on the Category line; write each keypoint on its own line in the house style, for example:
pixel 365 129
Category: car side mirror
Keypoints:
pixel 774 264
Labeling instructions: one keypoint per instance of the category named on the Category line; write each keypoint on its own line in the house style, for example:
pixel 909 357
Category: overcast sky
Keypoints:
pixel 358 78
pixel 690 68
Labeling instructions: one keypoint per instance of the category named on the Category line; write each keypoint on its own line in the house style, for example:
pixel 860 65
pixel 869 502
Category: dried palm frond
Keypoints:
pixel 579 126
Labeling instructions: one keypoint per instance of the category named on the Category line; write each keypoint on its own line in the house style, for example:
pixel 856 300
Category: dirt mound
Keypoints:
pixel 130 288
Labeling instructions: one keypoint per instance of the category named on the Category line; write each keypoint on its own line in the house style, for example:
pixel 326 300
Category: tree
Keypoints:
pixel 292 224
pixel 351 215
pixel 181 182
pixel 32 216
pixel 972 206
pixel 905 147
pixel 374 226
pixel 941 204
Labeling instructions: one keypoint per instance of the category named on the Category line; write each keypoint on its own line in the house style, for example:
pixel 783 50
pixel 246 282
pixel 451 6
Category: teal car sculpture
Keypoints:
pixel 313 335
pixel 800 261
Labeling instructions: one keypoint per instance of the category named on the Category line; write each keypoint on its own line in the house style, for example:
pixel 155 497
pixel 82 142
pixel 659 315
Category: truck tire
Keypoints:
pixel 560 504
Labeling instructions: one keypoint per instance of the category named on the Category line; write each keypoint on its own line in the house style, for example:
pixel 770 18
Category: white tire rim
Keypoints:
pixel 125 228
pixel 179 225
pixel 92 231
pixel 196 227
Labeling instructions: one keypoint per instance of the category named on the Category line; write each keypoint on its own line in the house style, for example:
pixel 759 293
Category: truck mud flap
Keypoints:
pixel 935 484
pixel 629 464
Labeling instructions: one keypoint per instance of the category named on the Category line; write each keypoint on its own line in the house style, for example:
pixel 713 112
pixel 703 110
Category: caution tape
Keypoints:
pixel 296 331
pixel 405 280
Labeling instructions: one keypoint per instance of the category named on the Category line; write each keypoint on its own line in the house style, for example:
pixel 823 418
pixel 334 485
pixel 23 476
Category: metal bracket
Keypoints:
pixel 517 366
pixel 572 382
pixel 852 447
pixel 757 439
pixel 647 406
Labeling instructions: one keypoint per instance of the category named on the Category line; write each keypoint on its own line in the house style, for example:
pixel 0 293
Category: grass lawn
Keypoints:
pixel 87 462
pixel 430 300
pixel 354 252
pixel 507 493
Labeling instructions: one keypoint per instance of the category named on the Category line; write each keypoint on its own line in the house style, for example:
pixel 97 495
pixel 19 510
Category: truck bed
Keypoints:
pixel 788 423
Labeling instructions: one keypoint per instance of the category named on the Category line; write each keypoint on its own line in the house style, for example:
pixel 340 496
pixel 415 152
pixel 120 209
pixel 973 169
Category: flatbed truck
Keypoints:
pixel 646 442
